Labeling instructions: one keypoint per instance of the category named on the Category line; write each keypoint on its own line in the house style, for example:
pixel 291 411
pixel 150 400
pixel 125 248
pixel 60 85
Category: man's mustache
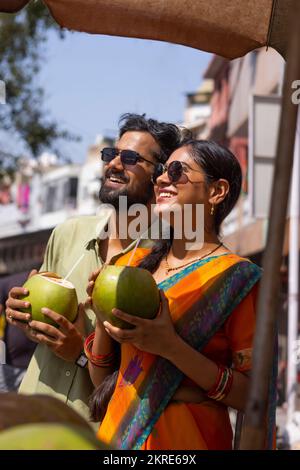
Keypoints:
pixel 115 174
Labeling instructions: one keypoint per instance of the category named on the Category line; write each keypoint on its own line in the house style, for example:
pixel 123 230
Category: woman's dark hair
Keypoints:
pixel 100 397
pixel 168 136
pixel 217 162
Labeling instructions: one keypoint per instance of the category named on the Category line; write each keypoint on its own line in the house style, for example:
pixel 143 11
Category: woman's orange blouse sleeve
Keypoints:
pixel 240 329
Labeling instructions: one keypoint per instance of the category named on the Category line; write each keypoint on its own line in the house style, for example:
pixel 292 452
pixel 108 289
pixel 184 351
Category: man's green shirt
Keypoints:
pixel 47 373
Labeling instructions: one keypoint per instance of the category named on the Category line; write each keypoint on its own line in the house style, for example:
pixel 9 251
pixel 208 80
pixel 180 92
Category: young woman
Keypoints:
pixel 179 373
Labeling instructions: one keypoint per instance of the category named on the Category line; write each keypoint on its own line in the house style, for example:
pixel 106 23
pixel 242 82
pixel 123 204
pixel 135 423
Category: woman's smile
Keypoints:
pixel 165 194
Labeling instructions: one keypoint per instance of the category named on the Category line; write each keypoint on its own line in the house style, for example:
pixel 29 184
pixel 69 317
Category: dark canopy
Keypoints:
pixel 229 28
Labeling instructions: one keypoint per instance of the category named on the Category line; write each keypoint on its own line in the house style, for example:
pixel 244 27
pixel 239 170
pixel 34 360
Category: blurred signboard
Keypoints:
pixel 264 120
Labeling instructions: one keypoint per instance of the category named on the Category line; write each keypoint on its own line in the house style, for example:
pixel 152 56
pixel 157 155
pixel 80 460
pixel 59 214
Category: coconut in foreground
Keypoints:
pixel 127 288
pixel 50 290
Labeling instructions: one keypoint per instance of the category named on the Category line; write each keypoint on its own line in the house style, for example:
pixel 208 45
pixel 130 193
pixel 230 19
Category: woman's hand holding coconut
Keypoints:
pixel 156 336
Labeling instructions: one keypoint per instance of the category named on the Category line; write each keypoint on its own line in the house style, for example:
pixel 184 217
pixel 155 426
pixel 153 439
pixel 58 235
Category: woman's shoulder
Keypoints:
pixel 235 257
pixel 233 265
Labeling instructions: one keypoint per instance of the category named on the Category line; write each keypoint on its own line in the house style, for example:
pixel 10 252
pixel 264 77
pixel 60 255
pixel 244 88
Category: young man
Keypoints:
pixel 55 367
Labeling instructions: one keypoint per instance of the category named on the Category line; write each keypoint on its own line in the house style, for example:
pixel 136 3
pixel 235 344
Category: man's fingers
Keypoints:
pixel 41 338
pixel 17 292
pixel 25 328
pixel 32 273
pixel 20 324
pixel 16 315
pixel 16 304
pixel 28 332
pixel 65 324
pixel 46 329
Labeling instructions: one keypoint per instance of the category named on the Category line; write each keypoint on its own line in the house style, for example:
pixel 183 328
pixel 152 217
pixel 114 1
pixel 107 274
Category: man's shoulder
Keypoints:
pixel 77 230
pixel 82 221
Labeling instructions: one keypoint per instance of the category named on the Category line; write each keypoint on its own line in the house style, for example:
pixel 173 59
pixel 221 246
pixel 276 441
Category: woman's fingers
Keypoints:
pixel 90 287
pixel 88 303
pixel 136 321
pixel 119 334
pixel 164 310
pixel 93 276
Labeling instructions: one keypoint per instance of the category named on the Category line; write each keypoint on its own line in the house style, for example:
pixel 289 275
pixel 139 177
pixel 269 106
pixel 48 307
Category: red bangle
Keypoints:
pixel 214 389
pixel 223 384
pixel 99 360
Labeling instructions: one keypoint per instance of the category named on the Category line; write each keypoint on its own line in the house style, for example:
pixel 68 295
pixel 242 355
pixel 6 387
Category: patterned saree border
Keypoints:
pixel 172 280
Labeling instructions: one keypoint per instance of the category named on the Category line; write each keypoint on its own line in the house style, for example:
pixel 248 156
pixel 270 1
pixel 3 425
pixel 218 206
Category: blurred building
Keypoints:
pixel 245 110
pixel 45 193
pixel 198 110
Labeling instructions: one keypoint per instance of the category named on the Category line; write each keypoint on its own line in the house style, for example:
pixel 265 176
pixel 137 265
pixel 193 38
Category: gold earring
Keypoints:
pixel 212 210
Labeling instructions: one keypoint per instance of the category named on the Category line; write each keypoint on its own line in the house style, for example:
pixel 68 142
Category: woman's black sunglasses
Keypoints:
pixel 175 170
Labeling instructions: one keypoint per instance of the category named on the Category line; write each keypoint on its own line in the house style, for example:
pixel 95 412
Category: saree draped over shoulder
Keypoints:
pixel 212 305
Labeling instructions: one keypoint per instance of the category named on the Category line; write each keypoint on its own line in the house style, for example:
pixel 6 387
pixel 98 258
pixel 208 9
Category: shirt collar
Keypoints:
pixel 104 215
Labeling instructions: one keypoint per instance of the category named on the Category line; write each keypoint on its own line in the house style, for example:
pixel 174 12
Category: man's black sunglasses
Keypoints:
pixel 127 157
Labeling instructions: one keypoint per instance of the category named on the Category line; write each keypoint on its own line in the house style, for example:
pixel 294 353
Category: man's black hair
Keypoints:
pixel 168 136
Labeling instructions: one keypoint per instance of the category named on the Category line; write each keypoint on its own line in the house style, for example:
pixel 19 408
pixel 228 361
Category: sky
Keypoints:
pixel 90 80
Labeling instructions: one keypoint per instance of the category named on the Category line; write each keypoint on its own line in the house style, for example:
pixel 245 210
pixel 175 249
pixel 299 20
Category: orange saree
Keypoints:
pixel 212 304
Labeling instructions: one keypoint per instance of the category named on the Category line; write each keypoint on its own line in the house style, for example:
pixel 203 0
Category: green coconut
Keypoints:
pixel 17 409
pixel 127 288
pixel 50 290
pixel 48 436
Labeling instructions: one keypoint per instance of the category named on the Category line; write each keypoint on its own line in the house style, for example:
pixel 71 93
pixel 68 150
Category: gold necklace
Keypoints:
pixel 168 269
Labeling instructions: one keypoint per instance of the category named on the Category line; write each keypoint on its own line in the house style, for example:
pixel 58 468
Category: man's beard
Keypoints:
pixel 111 196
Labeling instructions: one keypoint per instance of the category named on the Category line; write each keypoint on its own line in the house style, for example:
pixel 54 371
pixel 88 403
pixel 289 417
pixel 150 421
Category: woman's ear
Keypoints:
pixel 218 191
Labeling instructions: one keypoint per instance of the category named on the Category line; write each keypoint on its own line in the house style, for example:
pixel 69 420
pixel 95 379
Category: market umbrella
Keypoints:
pixel 229 28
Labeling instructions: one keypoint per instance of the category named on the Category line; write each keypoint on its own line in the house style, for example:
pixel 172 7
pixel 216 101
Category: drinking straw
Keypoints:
pixel 133 252
pixel 73 267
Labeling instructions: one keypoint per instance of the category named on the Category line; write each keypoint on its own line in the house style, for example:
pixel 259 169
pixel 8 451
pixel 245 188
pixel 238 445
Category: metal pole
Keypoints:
pixel 253 436
pixel 293 306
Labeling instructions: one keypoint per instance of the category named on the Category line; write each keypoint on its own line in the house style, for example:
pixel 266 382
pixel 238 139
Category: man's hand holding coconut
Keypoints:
pixel 60 327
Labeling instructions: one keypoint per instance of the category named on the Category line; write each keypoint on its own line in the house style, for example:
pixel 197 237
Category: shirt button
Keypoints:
pixel 68 373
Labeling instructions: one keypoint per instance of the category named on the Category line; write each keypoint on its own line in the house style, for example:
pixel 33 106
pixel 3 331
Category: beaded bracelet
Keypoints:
pixel 98 360
pixel 223 384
